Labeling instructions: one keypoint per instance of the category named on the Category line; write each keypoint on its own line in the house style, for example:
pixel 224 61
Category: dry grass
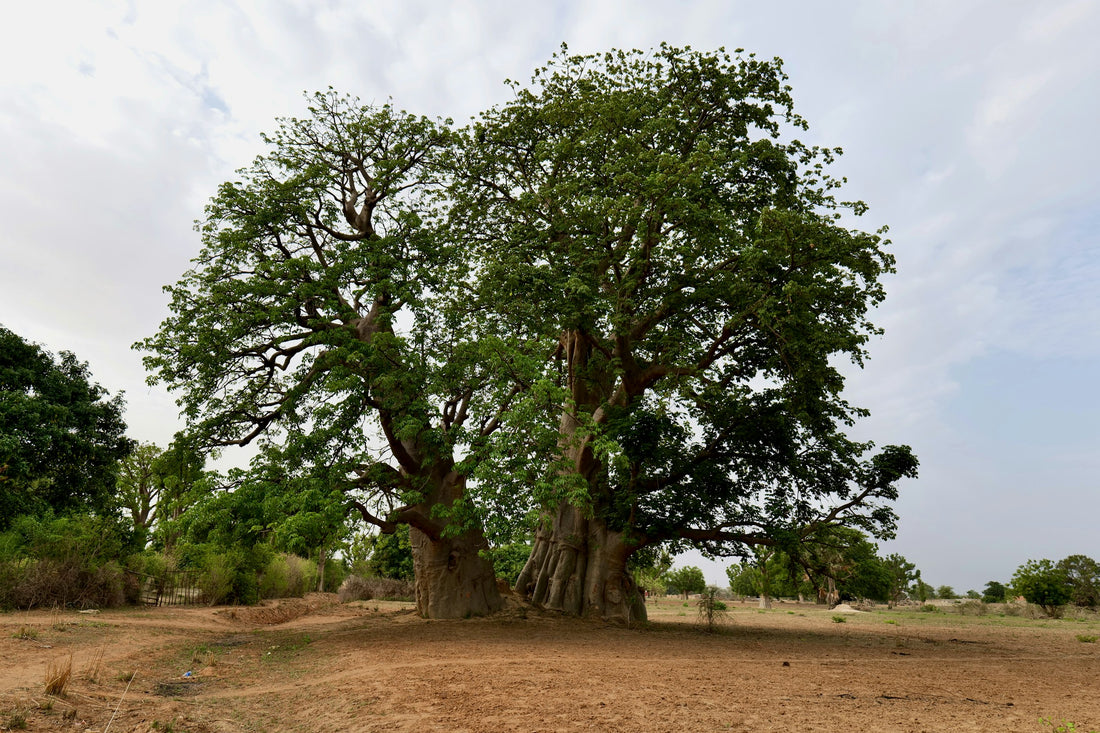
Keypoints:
pixel 91 672
pixel 58 675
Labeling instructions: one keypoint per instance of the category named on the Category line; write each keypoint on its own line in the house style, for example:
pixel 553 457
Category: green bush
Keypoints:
pixel 67 561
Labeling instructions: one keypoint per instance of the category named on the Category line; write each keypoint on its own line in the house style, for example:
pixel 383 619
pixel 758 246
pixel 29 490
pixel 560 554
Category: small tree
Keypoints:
pixel 1044 584
pixel 902 575
pixel 994 592
pixel 946 592
pixel 687 580
pixel 711 610
pixel 1083 575
pixel 744 579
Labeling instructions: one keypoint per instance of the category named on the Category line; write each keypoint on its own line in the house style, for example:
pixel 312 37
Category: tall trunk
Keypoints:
pixel 453 576
pixel 578 563
pixel 578 566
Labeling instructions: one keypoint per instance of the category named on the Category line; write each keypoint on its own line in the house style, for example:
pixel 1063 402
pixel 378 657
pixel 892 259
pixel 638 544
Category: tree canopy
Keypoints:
pixel 612 311
pixel 61 434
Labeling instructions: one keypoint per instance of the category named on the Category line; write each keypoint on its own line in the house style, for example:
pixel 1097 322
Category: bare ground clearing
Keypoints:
pixel 316 665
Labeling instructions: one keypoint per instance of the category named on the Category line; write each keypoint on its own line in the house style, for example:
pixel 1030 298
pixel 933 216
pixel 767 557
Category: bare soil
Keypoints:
pixel 318 665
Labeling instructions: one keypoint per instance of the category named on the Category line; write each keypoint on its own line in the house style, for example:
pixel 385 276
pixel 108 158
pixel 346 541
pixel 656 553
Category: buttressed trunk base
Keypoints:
pixel 453 580
pixel 578 566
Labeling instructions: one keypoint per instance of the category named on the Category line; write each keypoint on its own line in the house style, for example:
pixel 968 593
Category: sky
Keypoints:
pixel 969 128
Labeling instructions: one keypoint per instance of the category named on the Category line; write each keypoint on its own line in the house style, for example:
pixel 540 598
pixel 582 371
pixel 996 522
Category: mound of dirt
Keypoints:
pixel 281 610
pixel 845 608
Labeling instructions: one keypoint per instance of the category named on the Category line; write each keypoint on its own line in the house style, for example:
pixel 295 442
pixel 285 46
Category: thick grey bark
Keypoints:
pixel 453 580
pixel 578 566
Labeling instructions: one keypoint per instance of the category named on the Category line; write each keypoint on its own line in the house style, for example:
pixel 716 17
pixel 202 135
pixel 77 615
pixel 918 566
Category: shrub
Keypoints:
pixel 1044 584
pixel 68 561
pixel 358 588
pixel 711 610
pixel 287 576
pixel 216 578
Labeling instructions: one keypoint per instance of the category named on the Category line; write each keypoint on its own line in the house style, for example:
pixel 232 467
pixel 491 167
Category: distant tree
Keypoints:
pixel 650 567
pixel 901 575
pixel 687 580
pixel 924 591
pixel 946 592
pixel 139 486
pixel 61 435
pixel 994 592
pixel 973 595
pixel 1044 584
pixel 744 579
pixel 1083 575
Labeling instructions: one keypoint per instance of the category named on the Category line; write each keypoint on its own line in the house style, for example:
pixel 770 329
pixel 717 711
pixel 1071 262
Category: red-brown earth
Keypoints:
pixel 318 665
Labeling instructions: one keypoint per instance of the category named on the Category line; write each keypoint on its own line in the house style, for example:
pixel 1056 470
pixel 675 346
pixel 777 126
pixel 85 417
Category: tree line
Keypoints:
pixel 601 321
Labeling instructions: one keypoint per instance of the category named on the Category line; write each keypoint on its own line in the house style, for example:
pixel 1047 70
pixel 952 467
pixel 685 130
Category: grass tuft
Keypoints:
pixel 58 675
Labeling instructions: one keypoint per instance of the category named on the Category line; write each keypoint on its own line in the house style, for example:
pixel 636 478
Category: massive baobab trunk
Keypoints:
pixel 454 578
pixel 578 566
pixel 578 563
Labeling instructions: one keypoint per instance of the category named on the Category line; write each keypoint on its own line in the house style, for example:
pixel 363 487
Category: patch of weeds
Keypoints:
pixel 126 676
pixel 46 705
pixel 790 613
pixel 289 645
pixel 838 619
pixel 1087 638
pixel 928 608
pixel 685 604
pixel 16 722
pixel 176 689
pixel 893 621
pixel 1066 726
pixel 26 632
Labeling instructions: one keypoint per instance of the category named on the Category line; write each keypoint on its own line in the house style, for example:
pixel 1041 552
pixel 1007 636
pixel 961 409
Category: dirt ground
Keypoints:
pixel 317 665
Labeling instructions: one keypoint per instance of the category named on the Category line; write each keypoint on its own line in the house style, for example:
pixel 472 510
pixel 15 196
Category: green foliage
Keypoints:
pixel 1044 584
pixel 288 576
pixel 902 575
pixel 61 435
pixel 946 592
pixel 711 610
pixel 654 221
pixel 1083 575
pixel 508 560
pixel 994 592
pixel 686 580
pixel 63 561
pixel 382 555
